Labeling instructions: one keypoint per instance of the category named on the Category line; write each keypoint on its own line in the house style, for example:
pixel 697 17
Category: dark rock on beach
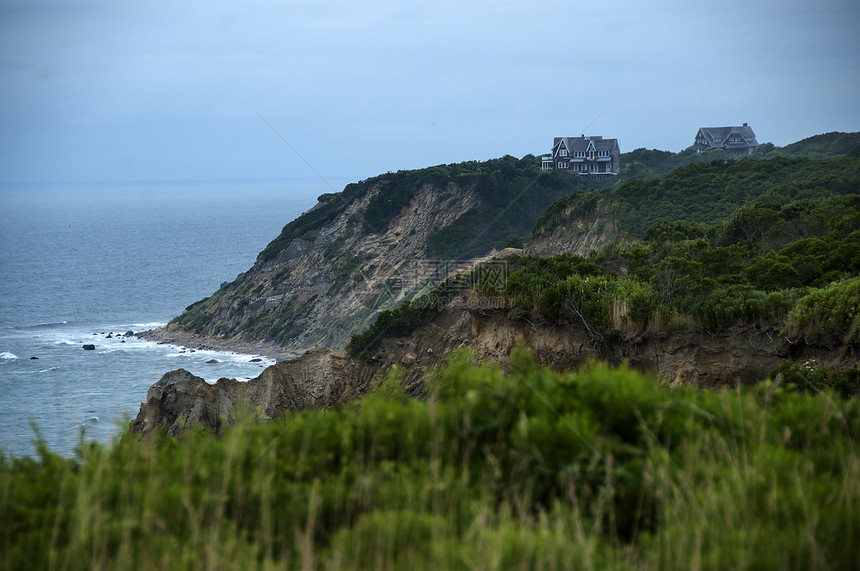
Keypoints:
pixel 89 347
pixel 212 361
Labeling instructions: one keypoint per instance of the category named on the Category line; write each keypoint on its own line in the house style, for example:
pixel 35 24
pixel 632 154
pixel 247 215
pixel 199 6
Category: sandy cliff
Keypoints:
pixel 323 377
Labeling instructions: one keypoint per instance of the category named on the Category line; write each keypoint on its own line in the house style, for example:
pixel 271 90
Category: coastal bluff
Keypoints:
pixel 722 273
pixel 322 377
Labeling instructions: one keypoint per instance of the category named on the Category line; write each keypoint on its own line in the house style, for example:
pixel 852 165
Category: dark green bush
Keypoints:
pixel 828 316
pixel 808 378
pixel 528 469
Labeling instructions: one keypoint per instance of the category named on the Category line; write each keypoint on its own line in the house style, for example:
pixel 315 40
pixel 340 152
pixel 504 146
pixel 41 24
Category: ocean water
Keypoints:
pixel 82 263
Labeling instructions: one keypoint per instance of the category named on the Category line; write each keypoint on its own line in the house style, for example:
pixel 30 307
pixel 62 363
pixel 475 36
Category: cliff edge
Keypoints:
pixel 323 377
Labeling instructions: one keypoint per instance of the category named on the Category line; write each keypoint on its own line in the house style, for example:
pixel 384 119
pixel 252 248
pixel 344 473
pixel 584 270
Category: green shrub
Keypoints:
pixel 828 316
pixel 808 378
pixel 528 469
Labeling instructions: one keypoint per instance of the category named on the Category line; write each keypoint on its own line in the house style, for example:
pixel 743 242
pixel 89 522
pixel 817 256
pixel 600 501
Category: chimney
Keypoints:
pixel 745 125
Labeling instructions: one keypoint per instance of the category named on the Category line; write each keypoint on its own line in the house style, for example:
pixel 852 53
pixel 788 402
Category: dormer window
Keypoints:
pixel 580 154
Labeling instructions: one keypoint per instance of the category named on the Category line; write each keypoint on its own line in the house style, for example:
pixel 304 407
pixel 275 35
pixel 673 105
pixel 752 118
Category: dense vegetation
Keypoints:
pixel 794 267
pixel 816 147
pixel 534 469
pixel 405 317
pixel 648 164
pixel 512 194
pixel 707 192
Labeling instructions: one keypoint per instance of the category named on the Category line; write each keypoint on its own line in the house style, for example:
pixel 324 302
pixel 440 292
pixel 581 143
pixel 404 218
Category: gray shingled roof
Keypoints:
pixel 574 144
pixel 723 134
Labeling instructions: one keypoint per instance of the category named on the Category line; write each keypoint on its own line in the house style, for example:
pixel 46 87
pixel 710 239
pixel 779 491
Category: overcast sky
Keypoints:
pixel 132 90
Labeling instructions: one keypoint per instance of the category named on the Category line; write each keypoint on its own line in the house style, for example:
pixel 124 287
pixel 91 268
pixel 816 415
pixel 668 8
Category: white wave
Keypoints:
pixel 151 325
pixel 223 357
pixel 39 372
pixel 52 324
pixel 64 342
pixel 234 377
pixel 6 355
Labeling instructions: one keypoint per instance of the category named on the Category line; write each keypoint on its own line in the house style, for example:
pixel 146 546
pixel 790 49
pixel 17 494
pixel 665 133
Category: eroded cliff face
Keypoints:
pixel 323 377
pixel 319 378
pixel 692 357
pixel 331 281
pixel 577 236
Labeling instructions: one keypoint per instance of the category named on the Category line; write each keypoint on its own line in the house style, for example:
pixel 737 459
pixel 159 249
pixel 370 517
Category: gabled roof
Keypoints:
pixel 576 144
pixel 718 136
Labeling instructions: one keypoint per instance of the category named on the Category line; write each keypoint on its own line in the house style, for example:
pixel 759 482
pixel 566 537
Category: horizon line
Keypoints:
pixel 163 181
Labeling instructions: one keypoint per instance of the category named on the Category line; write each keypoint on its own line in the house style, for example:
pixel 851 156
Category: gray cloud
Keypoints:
pixel 157 90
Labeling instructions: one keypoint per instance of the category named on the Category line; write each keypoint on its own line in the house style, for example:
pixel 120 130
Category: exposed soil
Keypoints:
pixel 322 377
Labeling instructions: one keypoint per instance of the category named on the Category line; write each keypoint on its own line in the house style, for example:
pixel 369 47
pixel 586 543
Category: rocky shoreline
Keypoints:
pixel 186 340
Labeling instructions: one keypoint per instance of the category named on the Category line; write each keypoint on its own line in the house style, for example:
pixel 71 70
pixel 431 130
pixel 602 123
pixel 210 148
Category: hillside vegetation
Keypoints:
pixel 332 269
pixel 528 467
pixel 381 240
pixel 533 469
pixel 647 164
pixel 768 244
pixel 753 268
pixel 706 192
pixel 512 194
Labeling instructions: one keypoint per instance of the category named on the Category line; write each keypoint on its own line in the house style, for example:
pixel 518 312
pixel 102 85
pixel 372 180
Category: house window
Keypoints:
pixel 562 165
pixel 562 152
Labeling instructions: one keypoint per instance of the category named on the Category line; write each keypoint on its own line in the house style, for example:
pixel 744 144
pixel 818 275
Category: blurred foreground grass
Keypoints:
pixel 600 468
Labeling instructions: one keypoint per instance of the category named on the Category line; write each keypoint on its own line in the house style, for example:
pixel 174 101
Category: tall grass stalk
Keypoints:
pixel 594 469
